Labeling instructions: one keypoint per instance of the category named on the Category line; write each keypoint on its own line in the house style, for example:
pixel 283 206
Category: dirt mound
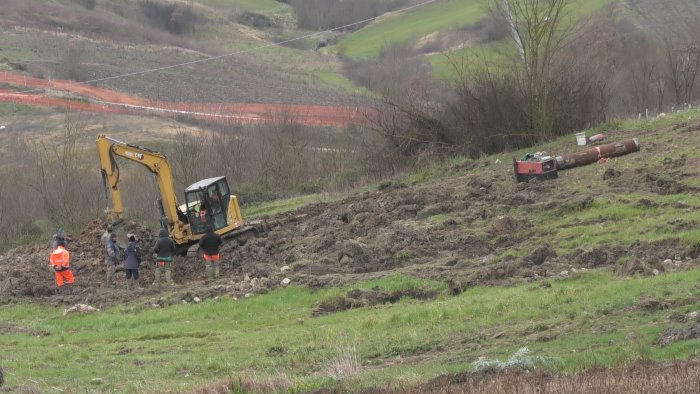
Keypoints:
pixel 418 231
pixel 688 331
pixel 358 299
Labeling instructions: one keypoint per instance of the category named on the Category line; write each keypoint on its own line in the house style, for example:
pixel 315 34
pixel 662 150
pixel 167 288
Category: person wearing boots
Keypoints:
pixel 60 261
pixel 132 260
pixel 210 244
pixel 163 249
pixel 111 259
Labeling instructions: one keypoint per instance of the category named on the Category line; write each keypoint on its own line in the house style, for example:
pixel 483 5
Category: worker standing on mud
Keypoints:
pixel 132 260
pixel 111 259
pixel 60 261
pixel 163 249
pixel 210 244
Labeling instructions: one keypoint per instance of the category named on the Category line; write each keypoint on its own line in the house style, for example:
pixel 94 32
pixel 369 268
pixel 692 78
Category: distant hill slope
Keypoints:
pixel 448 25
pixel 67 40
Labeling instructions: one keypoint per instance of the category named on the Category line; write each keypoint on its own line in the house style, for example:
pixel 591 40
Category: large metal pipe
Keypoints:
pixel 592 155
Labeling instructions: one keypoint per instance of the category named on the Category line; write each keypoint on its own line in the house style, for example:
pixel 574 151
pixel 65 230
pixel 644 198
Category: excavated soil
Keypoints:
pixel 459 229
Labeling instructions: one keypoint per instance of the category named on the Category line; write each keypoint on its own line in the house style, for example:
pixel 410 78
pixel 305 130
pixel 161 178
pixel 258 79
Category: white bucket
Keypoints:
pixel 581 138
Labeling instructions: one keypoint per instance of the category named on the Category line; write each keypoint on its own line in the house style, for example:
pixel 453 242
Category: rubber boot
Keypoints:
pixel 128 284
pixel 69 288
pixel 169 277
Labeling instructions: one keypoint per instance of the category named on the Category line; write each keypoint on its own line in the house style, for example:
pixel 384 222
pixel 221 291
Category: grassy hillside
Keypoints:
pixel 441 16
pixel 274 341
pixel 597 268
pixel 66 41
pixel 448 14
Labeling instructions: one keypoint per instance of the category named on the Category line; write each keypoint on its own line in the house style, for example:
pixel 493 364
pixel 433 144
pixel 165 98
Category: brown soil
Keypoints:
pixel 371 235
pixel 358 299
pixel 461 229
pixel 689 330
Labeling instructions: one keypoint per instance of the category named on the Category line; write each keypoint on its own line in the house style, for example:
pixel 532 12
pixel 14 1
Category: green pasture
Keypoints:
pixel 438 16
pixel 272 340
pixel 441 15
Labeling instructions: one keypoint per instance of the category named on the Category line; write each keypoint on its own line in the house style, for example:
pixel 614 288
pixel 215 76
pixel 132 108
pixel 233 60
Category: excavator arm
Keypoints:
pixel 108 149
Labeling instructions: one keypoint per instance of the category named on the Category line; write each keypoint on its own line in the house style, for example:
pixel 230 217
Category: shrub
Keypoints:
pixel 258 21
pixel 89 4
pixel 175 18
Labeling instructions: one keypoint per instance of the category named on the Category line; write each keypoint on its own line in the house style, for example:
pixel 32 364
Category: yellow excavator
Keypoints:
pixel 208 203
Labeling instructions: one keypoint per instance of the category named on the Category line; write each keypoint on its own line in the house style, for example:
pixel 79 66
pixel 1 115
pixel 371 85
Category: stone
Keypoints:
pixel 655 272
pixel 668 261
pixel 197 300
pixel 285 268
pixel 80 308
pixel 285 281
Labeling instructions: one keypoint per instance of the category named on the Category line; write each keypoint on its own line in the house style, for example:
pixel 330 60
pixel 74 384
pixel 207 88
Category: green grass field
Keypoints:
pixel 591 319
pixel 442 15
pixel 272 342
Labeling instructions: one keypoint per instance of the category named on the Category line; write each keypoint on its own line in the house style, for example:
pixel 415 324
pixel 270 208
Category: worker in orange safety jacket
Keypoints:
pixel 60 261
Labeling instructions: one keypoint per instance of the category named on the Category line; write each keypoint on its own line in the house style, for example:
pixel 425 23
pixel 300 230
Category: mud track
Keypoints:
pixel 39 92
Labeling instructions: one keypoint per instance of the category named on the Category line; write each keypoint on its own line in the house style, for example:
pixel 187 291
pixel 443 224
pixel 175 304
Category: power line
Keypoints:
pixel 280 43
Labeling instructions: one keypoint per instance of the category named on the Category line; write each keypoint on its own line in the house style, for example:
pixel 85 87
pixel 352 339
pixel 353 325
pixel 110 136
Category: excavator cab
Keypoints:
pixel 207 204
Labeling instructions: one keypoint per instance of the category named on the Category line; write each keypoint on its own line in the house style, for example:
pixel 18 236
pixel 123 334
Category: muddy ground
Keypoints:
pixel 455 229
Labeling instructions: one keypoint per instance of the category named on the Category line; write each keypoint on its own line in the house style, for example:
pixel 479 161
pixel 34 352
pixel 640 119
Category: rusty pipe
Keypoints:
pixel 592 155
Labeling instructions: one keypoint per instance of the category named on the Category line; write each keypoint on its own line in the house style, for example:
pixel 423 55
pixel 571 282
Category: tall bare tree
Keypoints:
pixel 683 65
pixel 539 31
pixel 61 178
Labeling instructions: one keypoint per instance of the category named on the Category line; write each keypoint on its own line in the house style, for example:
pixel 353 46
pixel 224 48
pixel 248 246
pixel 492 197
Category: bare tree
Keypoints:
pixel 683 64
pixel 539 32
pixel 187 157
pixel 61 178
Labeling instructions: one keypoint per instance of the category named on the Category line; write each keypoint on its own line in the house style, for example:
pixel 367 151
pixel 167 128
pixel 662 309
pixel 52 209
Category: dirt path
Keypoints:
pixel 38 90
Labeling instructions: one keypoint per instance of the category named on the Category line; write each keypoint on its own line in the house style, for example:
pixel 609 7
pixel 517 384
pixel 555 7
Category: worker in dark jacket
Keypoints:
pixel 164 249
pixel 132 260
pixel 210 244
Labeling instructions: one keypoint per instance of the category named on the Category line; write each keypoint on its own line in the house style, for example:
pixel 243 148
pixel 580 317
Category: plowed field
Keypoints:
pixel 38 92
